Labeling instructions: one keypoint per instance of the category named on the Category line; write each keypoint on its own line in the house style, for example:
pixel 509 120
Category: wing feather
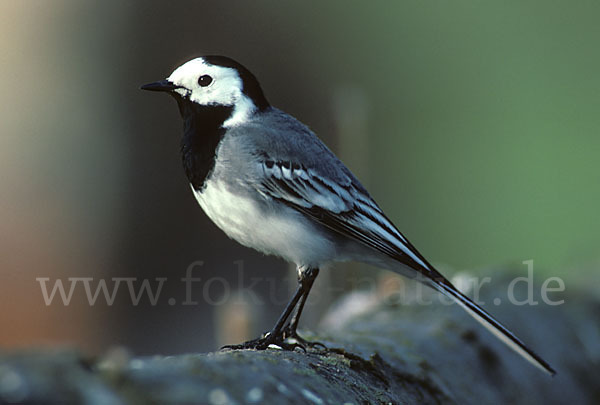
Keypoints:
pixel 345 207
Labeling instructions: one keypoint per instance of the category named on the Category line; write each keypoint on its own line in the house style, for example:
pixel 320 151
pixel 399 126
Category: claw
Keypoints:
pixel 294 345
pixel 300 341
pixel 257 344
pixel 264 342
pixel 284 341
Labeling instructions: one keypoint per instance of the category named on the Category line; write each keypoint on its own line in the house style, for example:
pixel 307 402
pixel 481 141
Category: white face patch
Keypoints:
pixel 225 89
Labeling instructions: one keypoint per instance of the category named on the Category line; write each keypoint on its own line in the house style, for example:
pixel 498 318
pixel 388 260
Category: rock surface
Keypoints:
pixel 389 354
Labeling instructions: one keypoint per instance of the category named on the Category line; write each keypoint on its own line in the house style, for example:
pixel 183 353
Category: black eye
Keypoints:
pixel 204 80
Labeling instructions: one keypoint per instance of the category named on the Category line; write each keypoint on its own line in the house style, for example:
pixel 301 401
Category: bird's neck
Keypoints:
pixel 202 132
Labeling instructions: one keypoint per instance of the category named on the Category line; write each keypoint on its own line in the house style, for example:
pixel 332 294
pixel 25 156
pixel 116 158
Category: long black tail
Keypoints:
pixel 491 324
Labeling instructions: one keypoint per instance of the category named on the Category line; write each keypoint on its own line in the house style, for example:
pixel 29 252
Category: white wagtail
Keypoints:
pixel 269 183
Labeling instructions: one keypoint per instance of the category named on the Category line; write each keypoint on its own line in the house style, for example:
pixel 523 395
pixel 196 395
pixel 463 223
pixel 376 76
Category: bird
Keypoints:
pixel 268 182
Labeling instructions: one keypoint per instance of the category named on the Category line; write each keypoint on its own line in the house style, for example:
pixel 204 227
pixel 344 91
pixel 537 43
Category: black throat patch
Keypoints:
pixel 202 132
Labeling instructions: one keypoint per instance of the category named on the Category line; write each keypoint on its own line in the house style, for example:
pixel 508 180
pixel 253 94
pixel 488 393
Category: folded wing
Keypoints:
pixel 343 206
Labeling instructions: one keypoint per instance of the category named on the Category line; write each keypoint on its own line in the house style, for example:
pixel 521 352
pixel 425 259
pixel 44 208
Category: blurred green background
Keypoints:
pixel 474 125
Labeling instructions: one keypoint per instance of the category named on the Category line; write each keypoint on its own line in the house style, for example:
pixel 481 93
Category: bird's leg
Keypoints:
pixel 276 335
pixel 308 278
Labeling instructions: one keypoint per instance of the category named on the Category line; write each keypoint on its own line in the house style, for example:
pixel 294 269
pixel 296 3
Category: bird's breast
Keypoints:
pixel 268 227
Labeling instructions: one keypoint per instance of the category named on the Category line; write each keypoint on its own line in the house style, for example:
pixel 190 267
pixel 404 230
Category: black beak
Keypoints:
pixel 163 85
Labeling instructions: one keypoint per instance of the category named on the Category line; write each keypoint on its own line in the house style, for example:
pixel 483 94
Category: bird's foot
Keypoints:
pixel 268 340
pixel 292 336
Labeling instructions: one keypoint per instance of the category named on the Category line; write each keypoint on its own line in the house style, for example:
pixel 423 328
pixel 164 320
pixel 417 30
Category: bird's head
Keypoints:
pixel 214 81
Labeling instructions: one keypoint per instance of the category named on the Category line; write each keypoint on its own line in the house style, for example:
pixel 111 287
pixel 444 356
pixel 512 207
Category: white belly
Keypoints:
pixel 285 233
